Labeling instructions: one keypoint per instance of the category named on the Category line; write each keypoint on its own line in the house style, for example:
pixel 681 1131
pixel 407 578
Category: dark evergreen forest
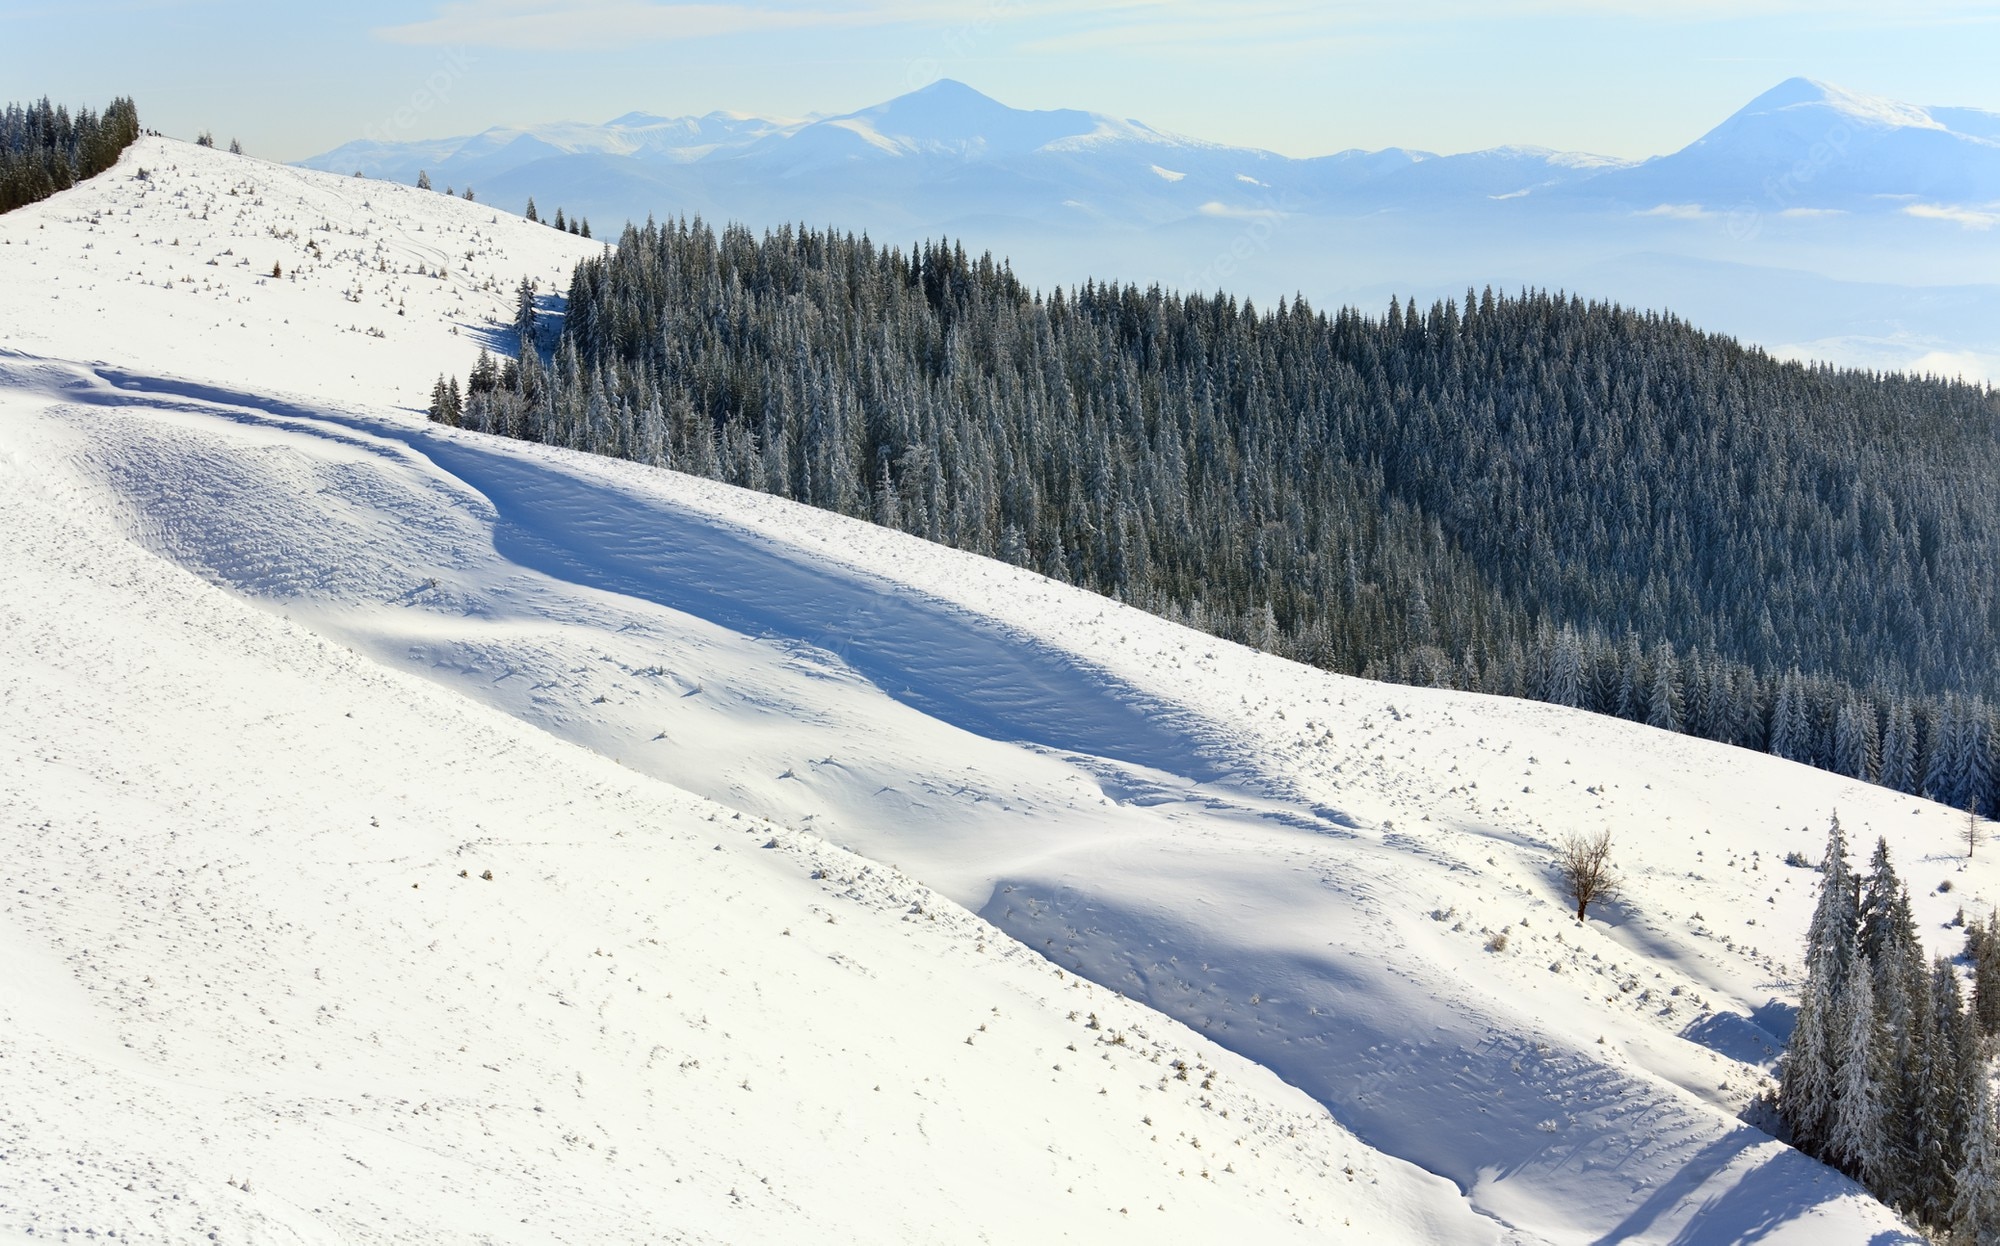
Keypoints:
pixel 1529 495
pixel 44 149
pixel 1885 1077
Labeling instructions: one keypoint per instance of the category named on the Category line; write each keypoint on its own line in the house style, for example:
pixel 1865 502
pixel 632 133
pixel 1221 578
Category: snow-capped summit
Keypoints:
pixel 1810 96
pixel 1806 144
pixel 951 118
pixel 946 123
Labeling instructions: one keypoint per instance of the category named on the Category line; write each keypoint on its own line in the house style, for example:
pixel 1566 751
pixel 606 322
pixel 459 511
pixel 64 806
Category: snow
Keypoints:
pixel 260 986
pixel 1868 110
pixel 383 285
pixel 811 803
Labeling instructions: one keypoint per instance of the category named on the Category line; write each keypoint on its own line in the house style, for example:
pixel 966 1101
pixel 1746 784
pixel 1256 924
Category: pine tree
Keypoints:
pixel 1565 680
pixel 485 375
pixel 1854 740
pixel 530 213
pixel 1975 1209
pixel 1901 998
pixel 1959 1062
pixel 423 180
pixel 1811 1077
pixel 1933 1138
pixel 1943 778
pixel 1878 903
pixel 1623 699
pixel 1899 749
pixel 1419 627
pixel 1663 708
pixel 598 437
pixel 524 313
pixel 1859 1143
pixel 652 439
pixel 1790 728
pixel 1808 1086
pixel 1974 760
pixel 1830 940
pixel 1983 948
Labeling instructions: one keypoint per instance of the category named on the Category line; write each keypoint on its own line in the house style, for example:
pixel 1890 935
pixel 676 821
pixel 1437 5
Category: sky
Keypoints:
pixel 1625 78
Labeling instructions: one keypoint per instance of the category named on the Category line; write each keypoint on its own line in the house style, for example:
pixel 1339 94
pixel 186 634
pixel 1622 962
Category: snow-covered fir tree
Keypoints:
pixel 1858 1131
pixel 1975 1207
pixel 1811 1079
pixel 1886 1064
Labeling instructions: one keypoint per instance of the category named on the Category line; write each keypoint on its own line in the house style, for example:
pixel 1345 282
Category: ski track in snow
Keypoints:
pixel 1302 868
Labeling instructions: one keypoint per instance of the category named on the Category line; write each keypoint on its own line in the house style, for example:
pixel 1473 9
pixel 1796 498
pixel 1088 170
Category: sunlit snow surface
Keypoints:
pixel 279 660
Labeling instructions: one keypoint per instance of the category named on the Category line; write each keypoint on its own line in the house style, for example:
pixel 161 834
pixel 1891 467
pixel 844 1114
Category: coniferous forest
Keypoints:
pixel 44 148
pixel 1885 1077
pixel 1528 495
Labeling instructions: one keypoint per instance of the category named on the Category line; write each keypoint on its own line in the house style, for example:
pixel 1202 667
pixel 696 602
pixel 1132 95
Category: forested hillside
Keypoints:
pixel 44 149
pixel 1528 495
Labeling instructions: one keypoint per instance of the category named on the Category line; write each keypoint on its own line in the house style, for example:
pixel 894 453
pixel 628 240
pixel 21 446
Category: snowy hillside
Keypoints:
pixel 378 283
pixel 292 952
pixel 667 715
pixel 258 984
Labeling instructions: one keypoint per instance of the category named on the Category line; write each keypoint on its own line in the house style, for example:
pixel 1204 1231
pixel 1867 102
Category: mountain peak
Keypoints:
pixel 953 91
pixel 949 116
pixel 1812 95
pixel 1791 93
pixel 633 120
pixel 945 108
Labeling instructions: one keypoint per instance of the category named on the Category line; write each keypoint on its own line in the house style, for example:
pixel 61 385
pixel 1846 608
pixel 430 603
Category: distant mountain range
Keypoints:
pixel 1813 219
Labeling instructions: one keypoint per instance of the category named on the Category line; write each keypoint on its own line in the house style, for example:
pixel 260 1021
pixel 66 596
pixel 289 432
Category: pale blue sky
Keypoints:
pixel 1619 77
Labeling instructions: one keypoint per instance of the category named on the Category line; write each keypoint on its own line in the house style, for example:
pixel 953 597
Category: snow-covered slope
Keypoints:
pixel 166 264
pixel 297 948
pixel 257 985
pixel 1812 145
pixel 562 668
